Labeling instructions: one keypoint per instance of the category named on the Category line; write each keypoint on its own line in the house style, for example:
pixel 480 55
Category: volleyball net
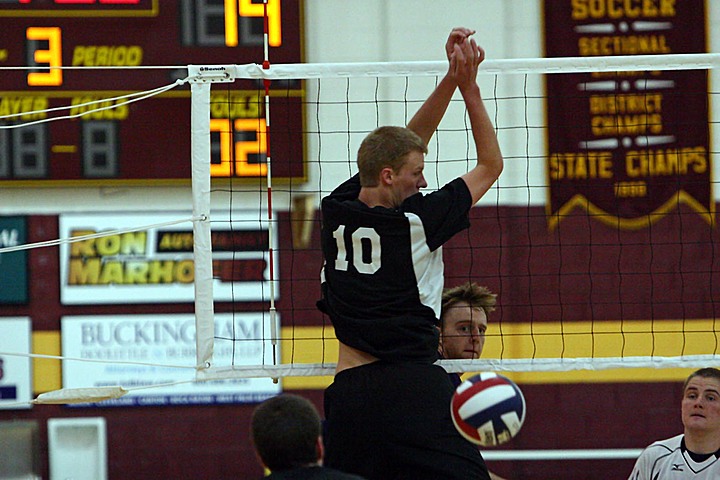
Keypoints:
pixel 600 237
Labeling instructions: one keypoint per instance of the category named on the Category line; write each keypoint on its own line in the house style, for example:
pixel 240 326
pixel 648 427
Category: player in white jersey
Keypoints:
pixel 388 408
pixel 695 454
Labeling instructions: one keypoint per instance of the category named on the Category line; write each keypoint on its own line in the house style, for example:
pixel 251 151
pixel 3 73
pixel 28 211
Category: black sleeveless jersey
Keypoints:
pixel 382 277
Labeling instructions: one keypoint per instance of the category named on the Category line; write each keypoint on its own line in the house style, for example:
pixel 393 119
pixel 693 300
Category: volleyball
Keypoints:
pixel 488 409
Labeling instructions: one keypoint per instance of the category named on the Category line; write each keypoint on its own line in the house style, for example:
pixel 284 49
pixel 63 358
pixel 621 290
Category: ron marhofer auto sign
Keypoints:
pixel 156 264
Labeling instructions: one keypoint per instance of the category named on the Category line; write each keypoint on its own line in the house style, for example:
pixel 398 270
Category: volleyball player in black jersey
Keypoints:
pixel 387 411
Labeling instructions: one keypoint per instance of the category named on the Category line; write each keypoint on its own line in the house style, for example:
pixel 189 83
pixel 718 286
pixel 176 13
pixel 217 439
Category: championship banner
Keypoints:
pixel 156 265
pixel 13 265
pixel 143 353
pixel 627 146
pixel 15 371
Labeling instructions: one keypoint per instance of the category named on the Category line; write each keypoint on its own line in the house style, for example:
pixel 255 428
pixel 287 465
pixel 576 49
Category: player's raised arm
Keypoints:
pixel 428 117
pixel 464 63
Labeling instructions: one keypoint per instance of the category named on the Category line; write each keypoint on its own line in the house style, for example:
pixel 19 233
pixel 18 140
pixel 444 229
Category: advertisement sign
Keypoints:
pixel 627 146
pixel 13 265
pixel 156 264
pixel 15 371
pixel 153 356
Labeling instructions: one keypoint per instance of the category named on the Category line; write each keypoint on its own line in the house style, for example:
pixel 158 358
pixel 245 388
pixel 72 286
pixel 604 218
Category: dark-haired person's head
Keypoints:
pixel 285 431
pixel 701 410
pixel 708 372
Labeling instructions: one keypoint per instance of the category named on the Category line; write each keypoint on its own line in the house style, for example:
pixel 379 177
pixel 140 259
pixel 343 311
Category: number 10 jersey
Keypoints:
pixel 382 277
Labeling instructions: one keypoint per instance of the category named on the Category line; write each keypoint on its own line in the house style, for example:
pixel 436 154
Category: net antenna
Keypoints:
pixel 512 71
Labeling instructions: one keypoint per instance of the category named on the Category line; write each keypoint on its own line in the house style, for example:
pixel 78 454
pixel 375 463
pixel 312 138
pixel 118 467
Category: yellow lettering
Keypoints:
pixel 85 248
pixel 79 106
pixel 625 103
pixel 84 272
pixel 241 165
pixel 52 56
pixel 175 241
pixel 112 272
pixel 185 271
pixel 161 272
pixel 224 168
pixel 603 125
pixel 107 55
pixel 576 165
pixel 235 105
pixel 30 107
pixel 249 9
pixel 630 189
pixel 616 9
pixel 95 271
pixel 132 243
pixel 633 11
pixel 623 45
pixel 666 162
pixel 106 246
pixel 136 273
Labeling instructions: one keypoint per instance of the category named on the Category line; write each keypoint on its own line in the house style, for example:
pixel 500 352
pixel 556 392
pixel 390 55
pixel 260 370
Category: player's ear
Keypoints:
pixel 262 462
pixel 386 176
pixel 320 450
pixel 440 342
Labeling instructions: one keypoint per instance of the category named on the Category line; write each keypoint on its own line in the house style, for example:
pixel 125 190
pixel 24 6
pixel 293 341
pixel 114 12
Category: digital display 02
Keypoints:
pixel 93 50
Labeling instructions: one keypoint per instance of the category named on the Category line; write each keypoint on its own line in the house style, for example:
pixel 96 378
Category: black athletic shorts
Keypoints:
pixel 390 421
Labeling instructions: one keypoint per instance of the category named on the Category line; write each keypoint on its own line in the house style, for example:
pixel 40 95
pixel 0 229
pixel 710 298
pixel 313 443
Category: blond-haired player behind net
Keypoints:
pixel 463 321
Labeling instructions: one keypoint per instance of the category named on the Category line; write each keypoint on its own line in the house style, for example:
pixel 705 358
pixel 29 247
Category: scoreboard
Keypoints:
pixel 70 53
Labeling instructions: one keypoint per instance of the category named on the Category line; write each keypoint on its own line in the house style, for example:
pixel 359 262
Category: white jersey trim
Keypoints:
pixel 428 265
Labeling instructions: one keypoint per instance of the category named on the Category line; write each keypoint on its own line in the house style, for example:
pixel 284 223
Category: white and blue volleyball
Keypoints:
pixel 488 409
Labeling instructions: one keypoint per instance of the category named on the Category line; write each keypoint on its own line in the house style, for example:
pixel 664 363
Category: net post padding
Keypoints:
pixel 202 245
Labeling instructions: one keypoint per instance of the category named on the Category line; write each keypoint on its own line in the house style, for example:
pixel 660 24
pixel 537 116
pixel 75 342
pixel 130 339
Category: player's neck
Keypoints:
pixel 702 442
pixel 376 197
pixel 350 357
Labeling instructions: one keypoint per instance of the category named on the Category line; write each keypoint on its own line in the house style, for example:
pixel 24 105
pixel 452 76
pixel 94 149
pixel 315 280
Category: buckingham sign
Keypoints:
pixel 153 356
pixel 627 146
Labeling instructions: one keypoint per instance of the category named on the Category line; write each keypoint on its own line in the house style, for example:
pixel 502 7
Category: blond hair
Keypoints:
pixel 386 147
pixel 471 293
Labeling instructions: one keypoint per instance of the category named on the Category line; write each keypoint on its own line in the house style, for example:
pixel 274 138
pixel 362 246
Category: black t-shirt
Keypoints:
pixel 312 473
pixel 382 279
